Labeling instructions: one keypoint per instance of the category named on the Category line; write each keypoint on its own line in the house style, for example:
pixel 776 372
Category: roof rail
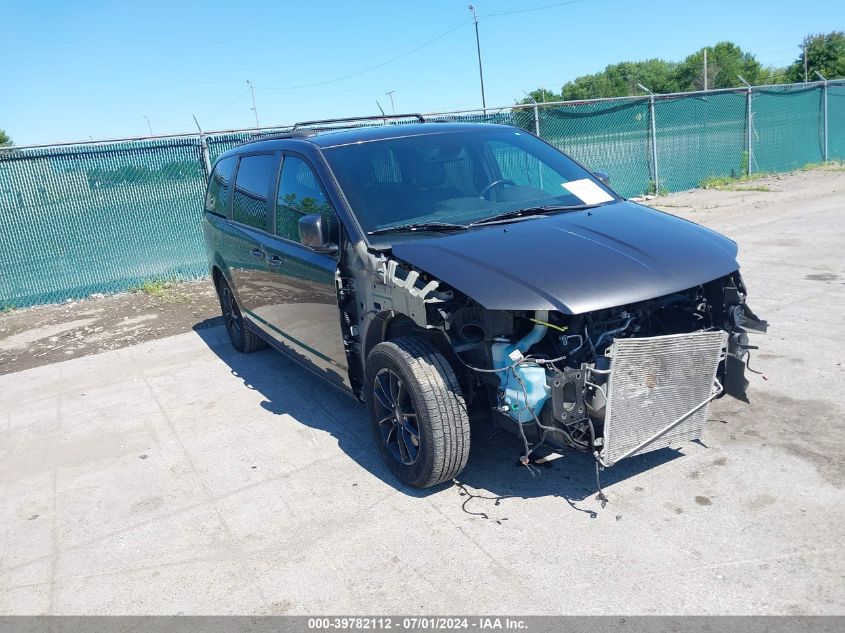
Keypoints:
pixel 417 116
pixel 257 137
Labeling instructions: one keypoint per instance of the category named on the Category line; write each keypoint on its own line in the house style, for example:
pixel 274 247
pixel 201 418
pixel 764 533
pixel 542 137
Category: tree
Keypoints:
pixel 542 95
pixel 825 54
pixel 620 80
pixel 725 61
pixel 772 75
pixel 5 141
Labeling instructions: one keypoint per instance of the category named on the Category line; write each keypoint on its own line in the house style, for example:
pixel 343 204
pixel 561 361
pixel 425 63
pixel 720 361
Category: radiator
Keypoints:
pixel 656 382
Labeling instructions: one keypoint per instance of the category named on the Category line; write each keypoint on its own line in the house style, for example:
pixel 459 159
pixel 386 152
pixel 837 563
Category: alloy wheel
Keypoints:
pixel 396 417
pixel 231 312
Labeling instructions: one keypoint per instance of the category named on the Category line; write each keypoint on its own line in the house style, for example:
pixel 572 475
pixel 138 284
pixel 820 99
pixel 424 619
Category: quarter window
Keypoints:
pixel 217 194
pixel 255 173
pixel 299 194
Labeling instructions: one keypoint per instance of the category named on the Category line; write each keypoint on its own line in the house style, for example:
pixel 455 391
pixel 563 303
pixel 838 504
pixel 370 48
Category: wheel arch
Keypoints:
pixel 389 325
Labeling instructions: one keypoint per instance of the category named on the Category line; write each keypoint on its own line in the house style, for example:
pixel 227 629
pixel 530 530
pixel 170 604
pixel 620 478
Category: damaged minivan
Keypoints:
pixel 443 272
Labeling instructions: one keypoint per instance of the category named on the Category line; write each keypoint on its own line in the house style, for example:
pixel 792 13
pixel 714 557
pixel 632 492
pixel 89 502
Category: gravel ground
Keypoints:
pixel 46 334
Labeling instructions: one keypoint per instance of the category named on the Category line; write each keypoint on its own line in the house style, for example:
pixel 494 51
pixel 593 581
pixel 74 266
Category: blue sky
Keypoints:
pixel 74 70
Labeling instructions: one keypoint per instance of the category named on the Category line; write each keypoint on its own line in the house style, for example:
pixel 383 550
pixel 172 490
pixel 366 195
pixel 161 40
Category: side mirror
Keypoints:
pixel 603 177
pixel 313 233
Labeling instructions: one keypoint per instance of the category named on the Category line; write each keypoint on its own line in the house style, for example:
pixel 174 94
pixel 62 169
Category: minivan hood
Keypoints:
pixel 575 262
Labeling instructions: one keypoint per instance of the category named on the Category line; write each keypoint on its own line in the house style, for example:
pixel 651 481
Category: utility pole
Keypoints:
pixel 389 93
pixel 705 70
pixel 149 125
pixel 254 109
pixel 805 62
pixel 478 48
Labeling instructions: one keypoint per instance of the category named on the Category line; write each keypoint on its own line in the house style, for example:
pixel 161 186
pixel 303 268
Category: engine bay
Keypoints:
pixel 546 374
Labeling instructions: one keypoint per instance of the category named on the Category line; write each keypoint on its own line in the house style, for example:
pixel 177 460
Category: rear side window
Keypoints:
pixel 217 194
pixel 299 194
pixel 252 183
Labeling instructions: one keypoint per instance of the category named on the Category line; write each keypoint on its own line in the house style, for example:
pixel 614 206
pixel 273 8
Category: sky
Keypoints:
pixel 83 69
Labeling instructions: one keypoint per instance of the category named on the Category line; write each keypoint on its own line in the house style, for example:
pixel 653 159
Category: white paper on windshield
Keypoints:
pixel 588 191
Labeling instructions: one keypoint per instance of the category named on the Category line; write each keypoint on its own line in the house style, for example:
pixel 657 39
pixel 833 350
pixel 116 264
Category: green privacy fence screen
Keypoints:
pixel 106 216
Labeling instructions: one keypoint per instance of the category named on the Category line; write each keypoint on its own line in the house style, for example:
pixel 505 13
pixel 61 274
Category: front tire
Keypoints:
pixel 243 339
pixel 417 411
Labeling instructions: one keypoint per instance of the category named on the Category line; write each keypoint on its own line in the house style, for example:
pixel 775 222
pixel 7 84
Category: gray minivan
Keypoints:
pixel 442 272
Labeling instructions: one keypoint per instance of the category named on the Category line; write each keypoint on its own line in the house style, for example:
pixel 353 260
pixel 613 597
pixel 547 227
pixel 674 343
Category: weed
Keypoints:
pixel 653 190
pixel 154 288
pixel 732 183
pixel 161 289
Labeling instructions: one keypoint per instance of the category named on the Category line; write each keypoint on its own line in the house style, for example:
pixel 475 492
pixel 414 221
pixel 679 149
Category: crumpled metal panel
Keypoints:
pixel 653 382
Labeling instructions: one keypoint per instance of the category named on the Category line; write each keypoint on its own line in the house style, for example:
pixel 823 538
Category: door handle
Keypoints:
pixel 274 260
pixel 257 253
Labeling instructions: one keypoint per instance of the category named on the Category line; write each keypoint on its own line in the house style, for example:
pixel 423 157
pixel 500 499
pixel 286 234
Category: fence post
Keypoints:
pixel 653 138
pixel 748 132
pixel 654 145
pixel 824 97
pixel 536 120
pixel 206 159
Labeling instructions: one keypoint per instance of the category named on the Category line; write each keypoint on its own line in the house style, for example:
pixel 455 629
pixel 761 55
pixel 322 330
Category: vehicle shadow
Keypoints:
pixel 289 388
pixel 493 468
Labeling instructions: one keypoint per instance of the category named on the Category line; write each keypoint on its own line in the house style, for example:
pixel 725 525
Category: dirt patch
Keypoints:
pixel 52 333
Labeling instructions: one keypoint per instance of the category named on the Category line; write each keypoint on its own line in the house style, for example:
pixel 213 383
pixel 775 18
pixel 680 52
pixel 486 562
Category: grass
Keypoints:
pixel 654 191
pixel 831 165
pixel 734 183
pixel 737 183
pixel 154 288
pixel 166 290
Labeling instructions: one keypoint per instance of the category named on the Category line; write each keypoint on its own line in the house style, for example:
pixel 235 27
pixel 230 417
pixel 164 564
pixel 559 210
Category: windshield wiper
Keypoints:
pixel 529 212
pixel 419 226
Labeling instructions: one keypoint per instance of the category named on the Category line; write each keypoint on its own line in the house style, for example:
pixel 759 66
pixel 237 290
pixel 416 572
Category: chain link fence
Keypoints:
pixel 77 219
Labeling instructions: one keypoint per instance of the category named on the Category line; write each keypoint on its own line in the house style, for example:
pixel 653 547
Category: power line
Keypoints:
pixel 371 68
pixel 530 9
pixel 223 109
pixel 416 48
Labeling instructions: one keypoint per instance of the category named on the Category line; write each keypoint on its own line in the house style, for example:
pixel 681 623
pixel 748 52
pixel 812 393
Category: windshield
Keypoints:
pixel 458 177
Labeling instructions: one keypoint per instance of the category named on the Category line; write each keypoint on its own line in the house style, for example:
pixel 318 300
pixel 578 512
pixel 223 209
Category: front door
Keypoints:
pixel 301 309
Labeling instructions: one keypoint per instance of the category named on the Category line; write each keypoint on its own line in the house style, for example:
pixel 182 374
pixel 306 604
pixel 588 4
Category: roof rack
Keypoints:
pixel 417 116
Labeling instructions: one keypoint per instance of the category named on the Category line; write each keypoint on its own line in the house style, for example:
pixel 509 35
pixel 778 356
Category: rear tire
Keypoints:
pixel 418 413
pixel 243 339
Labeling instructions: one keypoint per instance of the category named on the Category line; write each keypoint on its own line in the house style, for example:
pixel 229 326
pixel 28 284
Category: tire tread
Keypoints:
pixel 441 395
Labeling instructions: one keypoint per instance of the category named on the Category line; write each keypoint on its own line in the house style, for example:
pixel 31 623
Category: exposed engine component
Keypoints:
pixel 615 382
